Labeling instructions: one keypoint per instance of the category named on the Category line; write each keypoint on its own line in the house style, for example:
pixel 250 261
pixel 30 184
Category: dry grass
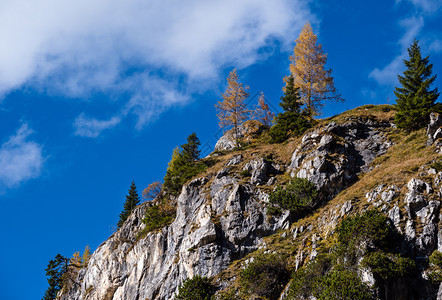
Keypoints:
pixel 381 113
pixel 401 163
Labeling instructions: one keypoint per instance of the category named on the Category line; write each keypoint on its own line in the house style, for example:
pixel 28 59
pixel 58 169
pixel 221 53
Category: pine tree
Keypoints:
pixel 55 270
pixel 232 110
pixel 183 166
pixel 291 121
pixel 414 98
pixel 190 150
pixel 308 70
pixel 132 200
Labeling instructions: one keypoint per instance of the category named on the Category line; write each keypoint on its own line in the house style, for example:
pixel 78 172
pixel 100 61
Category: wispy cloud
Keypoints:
pixel 21 159
pixel 426 6
pixel 387 75
pixel 77 47
pixel 91 127
pixel 436 46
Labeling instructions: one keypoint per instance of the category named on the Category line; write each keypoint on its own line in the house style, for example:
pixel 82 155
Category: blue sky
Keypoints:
pixel 95 94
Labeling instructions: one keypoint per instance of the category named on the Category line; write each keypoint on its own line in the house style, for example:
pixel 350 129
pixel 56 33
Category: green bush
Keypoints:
pixel 436 259
pixel 196 288
pixel 343 285
pixel 306 278
pixel 387 266
pixel 266 276
pixel 435 270
pixel 298 196
pixel 245 173
pixel 157 217
pixel 371 227
pixel 319 280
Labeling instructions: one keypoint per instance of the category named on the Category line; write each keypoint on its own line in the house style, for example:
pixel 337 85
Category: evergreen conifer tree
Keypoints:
pixel 132 200
pixel 414 98
pixel 190 150
pixel 291 121
pixel 183 165
pixel 57 267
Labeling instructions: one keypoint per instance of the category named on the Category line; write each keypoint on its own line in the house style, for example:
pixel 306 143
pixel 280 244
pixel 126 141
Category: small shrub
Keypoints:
pixel 435 272
pixel 266 276
pixel 344 285
pixel 158 216
pixel 196 288
pixel 245 173
pixel 298 196
pixel 371 228
pixel 436 259
pixel 385 266
pixel 318 279
pixel 306 278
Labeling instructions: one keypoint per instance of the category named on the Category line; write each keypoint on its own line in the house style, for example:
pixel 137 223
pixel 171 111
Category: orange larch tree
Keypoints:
pixel 308 70
pixel 152 191
pixel 232 111
pixel 262 112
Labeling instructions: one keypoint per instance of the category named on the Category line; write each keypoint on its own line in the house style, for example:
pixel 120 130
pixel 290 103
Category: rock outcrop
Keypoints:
pixel 244 132
pixel 434 131
pixel 333 156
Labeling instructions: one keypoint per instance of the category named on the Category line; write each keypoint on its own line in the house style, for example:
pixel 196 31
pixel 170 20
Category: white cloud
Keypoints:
pixel 91 127
pixel 388 74
pixel 20 159
pixel 143 103
pixel 77 47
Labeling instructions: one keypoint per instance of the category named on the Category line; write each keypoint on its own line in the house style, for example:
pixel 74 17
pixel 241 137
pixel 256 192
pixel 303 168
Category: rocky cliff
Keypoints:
pixel 357 160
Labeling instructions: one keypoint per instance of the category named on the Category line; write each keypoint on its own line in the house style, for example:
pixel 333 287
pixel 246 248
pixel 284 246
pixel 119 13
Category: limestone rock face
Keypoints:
pixel 214 225
pixel 423 212
pixel 434 131
pixel 245 131
pixel 332 156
